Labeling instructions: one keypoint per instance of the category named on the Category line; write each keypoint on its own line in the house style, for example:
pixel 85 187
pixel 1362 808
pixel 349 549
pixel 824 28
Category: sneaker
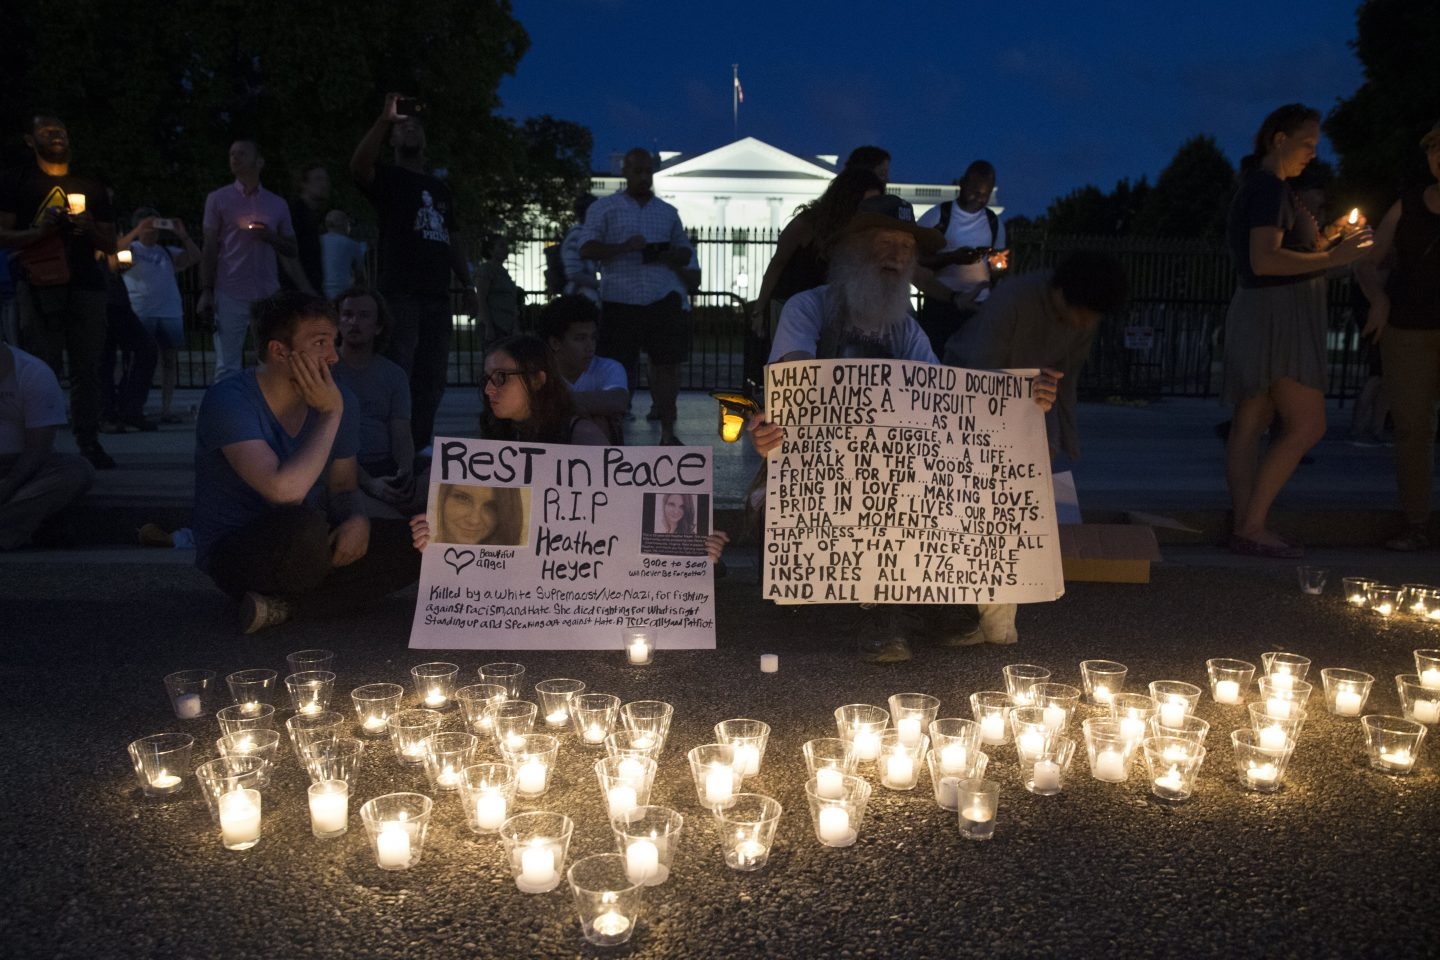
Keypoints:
pixel 99 459
pixel 141 423
pixel 973 638
pixel 891 650
pixel 258 611
pixel 1413 539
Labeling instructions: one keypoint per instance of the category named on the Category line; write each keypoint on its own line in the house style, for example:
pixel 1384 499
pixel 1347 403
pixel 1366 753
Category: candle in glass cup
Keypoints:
pixel 642 860
pixel 719 784
pixel 75 203
pixel 867 745
pixel 829 783
pixel 1046 775
pixel 490 810
pixel 834 825
pixel 530 778
pixel 1227 691
pixel 537 864
pixel 392 845
pixel 620 799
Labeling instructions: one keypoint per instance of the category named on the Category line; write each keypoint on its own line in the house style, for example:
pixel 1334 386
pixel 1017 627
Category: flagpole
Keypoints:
pixel 735 99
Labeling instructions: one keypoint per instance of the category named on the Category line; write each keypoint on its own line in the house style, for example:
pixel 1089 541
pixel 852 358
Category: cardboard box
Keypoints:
pixel 1107 552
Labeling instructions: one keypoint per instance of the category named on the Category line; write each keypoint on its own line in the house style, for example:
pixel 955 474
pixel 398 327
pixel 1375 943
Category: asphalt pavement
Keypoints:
pixel 1335 864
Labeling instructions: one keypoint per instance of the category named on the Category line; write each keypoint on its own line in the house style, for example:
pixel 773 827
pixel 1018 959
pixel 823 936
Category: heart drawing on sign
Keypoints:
pixel 459 559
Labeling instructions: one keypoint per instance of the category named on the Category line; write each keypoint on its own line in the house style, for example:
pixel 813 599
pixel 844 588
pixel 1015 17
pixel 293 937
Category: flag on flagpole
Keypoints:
pixel 739 90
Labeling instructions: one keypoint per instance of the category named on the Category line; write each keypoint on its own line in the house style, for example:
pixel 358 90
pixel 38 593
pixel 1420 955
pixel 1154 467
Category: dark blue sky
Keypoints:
pixel 1056 95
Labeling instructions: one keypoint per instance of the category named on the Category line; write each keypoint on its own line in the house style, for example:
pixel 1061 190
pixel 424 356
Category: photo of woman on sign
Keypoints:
pixel 676 514
pixel 470 515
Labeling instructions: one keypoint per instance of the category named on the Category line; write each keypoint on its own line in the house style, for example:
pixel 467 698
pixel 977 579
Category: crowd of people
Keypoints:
pixel 311 466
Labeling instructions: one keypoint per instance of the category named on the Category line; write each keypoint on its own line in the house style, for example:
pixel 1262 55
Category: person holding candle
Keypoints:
pixel 1402 282
pixel 155 293
pixel 598 385
pixel 277 522
pixel 1275 364
pixel 60 248
pixel 247 231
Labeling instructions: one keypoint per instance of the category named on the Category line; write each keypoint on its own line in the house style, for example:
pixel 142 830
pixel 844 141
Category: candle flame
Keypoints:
pixel 1354 216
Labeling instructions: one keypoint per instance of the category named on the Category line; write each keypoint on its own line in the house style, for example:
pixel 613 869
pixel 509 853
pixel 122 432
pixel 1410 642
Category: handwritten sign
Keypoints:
pixel 540 547
pixel 902 482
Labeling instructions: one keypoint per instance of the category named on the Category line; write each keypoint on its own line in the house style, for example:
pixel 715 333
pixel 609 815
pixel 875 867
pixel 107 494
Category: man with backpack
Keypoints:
pixel 957 280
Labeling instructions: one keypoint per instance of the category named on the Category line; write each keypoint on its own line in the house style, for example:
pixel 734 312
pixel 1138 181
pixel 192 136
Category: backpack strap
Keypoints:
pixel 945 209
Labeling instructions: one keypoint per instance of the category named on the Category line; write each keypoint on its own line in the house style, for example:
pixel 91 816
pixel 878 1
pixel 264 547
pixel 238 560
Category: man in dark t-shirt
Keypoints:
pixel 420 247
pixel 60 224
pixel 307 216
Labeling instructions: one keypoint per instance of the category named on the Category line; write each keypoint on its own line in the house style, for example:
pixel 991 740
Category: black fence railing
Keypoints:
pixel 1166 342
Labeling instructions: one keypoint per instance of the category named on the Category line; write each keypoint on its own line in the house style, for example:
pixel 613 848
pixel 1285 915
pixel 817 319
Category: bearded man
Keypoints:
pixel 864 311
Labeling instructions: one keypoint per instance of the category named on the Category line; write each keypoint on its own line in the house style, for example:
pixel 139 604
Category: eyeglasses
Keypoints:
pixel 498 378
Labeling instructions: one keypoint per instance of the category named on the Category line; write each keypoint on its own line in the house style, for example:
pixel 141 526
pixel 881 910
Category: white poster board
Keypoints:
pixel 550 547
pixel 902 482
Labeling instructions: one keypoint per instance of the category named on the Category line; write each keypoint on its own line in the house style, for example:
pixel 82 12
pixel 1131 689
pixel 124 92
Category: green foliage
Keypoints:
pixel 1192 195
pixel 153 101
pixel 1377 131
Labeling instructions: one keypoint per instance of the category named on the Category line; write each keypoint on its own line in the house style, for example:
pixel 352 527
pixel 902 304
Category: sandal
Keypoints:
pixel 1245 547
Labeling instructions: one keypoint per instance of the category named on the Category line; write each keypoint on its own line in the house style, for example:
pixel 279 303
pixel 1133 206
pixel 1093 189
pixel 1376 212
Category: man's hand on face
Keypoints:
pixel 312 378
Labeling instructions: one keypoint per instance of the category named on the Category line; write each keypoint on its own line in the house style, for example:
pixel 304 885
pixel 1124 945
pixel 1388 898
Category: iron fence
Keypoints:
pixel 1166 342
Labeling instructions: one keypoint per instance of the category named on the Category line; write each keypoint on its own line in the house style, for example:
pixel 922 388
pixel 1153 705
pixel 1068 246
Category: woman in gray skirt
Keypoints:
pixel 1275 363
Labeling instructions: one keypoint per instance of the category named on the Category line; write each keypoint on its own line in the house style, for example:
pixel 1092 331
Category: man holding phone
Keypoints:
pixel 420 247
pixel 957 280
pixel 247 228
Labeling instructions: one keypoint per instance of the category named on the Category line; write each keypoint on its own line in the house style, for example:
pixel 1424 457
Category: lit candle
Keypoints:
pixel 1171 783
pixel 978 813
pixel 1172 712
pixel 328 811
pixel 643 742
pixel 992 728
pixel 1109 765
pixel 632 771
pixel 719 785
pixel 1278 707
pixel 747 759
pixel 310 709
pixel 448 777
pixel 244 745
pixel 1273 738
pixel 557 718
pixel 909 730
pixel 642 861
pixel 187 706
pixel 1354 217
pixel 594 733
pixel 1357 599
pixel 1047 775
pixel 530 778
pixel 514 741
pixel 953 759
pixel 1430 678
pixel 899 770
pixel 1029 744
pixel 1102 694
pixel 769 663
pixel 1132 728
pixel 1054 717
pixel 730 427
pixel 1227 691
pixel 829 783
pixel 948 792
pixel 621 799
pixel 639 650
pixel 1022 698
pixel 1262 775
pixel 1384 608
pixel 834 826
pixel 75 203
pixel 1348 702
pixel 750 852
pixel 611 924
pixel 392 845
pixel 414 753
pixel 126 258
pixel 240 817
pixel 435 698
pixel 250 708
pixel 867 745
pixel 163 780
pixel 1401 759
pixel 1175 754
pixel 1282 679
pixel 537 866
pixel 1425 711
pixel 375 723
pixel 490 810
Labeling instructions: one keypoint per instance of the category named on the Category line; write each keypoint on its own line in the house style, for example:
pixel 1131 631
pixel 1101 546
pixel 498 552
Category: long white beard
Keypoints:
pixel 871 301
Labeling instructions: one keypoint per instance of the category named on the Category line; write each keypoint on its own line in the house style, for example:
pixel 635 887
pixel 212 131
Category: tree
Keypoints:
pixel 153 102
pixel 1089 212
pixel 1376 132
pixel 1191 197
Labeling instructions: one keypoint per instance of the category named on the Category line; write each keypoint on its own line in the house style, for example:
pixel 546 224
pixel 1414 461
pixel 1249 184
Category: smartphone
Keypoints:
pixel 409 107
pixel 255 225
pixel 163 223
pixel 654 251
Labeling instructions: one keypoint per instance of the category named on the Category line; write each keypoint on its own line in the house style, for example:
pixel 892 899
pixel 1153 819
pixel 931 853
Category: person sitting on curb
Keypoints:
pixel 278 521
pixel 597 384
pixel 36 482
pixel 864 312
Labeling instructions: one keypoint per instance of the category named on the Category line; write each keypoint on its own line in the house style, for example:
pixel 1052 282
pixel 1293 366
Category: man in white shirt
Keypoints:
pixel 597 384
pixel 642 246
pixel 957 280
pixel 35 482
